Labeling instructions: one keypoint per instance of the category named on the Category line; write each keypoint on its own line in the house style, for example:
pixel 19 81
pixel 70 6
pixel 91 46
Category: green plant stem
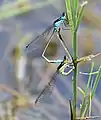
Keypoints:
pixel 74 82
pixel 75 91
pixel 75 44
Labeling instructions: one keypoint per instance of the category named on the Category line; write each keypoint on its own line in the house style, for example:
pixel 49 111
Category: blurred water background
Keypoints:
pixel 35 22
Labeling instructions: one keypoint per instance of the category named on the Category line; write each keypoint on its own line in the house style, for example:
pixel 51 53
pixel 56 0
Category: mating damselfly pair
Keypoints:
pixel 67 62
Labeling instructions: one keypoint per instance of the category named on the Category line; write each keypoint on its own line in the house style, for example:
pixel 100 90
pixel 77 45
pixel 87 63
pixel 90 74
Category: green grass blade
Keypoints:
pixel 87 107
pixel 75 9
pixel 89 78
pixel 97 79
pixel 90 98
pixel 90 105
pixel 80 14
pixel 70 13
pixel 81 90
pixel 88 84
pixel 82 106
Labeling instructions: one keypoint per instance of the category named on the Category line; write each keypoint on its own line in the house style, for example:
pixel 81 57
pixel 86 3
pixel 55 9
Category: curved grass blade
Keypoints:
pixel 80 14
pixel 81 90
pixel 75 9
pixel 70 15
pixel 89 79
pixel 88 84
pixel 97 79
pixel 89 102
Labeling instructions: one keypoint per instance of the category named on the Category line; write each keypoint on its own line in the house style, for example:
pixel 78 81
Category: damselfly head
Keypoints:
pixel 63 14
pixel 65 58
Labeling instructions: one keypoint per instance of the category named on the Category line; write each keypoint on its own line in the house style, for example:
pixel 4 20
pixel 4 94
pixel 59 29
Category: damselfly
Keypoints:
pixel 62 21
pixel 63 65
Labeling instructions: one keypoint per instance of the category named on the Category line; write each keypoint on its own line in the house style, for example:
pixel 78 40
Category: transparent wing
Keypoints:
pixel 36 46
pixel 46 92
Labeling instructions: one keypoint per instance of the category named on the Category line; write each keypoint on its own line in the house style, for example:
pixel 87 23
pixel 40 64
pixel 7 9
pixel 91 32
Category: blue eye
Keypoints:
pixel 64 57
pixel 63 14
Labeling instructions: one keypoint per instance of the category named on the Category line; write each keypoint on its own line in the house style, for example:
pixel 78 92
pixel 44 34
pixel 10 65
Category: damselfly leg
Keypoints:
pixel 66 26
pixel 68 65
pixel 64 46
pixel 50 61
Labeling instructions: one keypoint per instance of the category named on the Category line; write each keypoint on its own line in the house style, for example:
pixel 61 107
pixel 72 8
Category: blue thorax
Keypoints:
pixel 58 22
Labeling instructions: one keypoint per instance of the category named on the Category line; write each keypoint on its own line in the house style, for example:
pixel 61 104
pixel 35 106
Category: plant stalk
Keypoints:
pixel 74 82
